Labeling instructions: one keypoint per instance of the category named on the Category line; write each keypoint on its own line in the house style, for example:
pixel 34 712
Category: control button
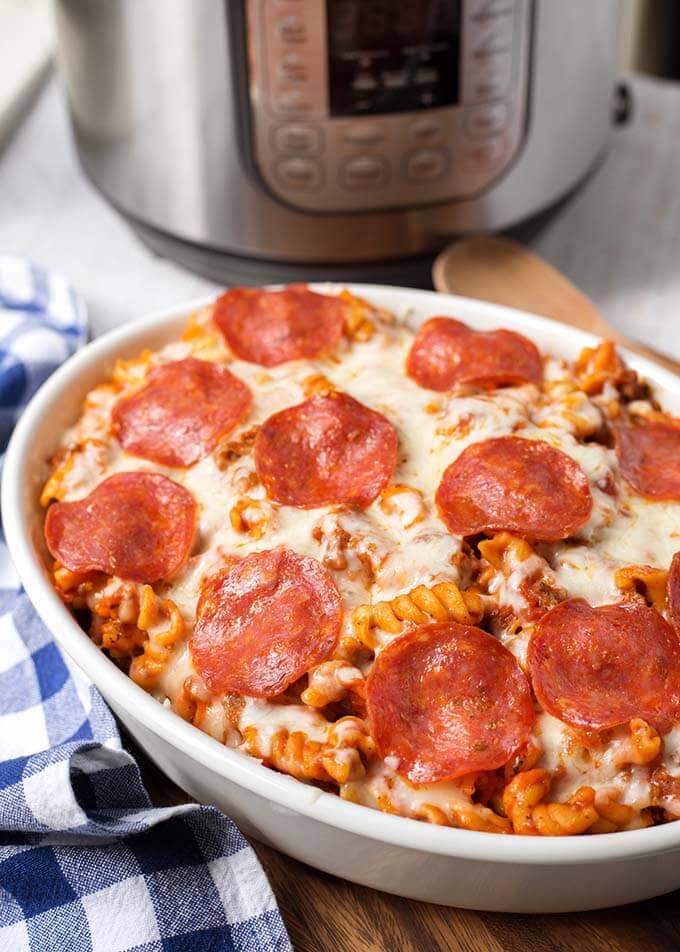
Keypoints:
pixel 292 29
pixel 484 10
pixel 366 171
pixel 299 174
pixel 425 132
pixel 297 139
pixel 293 101
pixel 486 156
pixel 491 35
pixel 426 165
pixel 364 136
pixel 488 77
pixel 293 69
pixel 487 119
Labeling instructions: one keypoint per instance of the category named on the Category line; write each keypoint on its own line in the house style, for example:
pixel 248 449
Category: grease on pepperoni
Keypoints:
pixel 515 485
pixel 329 450
pixel 648 452
pixel 137 526
pixel 181 412
pixel 262 623
pixel 447 352
pixel 596 668
pixel 272 327
pixel 447 699
pixel 673 591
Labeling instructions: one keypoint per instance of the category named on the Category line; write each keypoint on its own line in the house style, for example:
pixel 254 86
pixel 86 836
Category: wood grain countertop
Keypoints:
pixel 326 914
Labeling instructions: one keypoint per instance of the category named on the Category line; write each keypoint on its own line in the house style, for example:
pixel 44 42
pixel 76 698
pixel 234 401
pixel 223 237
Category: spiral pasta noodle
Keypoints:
pixel 525 800
pixel 163 624
pixel 597 367
pixel 359 326
pixel 442 602
pixel 335 760
pixel 250 516
pixel 330 682
pixel 651 580
pixel 505 550
pixel 316 385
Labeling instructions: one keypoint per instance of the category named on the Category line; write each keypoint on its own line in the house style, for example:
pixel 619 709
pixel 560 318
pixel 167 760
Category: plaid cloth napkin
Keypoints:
pixel 86 863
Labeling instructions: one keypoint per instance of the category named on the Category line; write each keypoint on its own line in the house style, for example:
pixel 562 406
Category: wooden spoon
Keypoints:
pixel 504 272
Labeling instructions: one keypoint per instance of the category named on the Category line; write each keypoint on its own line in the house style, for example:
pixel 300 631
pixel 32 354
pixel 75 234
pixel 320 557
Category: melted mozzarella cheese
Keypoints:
pixel 585 573
pixel 607 769
pixel 269 719
pixel 383 787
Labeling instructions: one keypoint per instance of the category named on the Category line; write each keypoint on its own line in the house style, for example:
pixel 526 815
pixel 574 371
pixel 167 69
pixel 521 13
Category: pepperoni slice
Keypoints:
pixel 595 668
pixel 447 699
pixel 271 327
pixel 514 485
pixel 673 591
pixel 649 457
pixel 329 450
pixel 263 622
pixel 446 352
pixel 181 412
pixel 138 526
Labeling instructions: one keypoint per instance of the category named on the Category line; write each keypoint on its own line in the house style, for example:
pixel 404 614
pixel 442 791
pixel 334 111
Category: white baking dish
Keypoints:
pixel 403 856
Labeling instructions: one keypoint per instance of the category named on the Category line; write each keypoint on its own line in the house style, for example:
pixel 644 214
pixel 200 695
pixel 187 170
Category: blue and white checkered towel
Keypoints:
pixel 86 863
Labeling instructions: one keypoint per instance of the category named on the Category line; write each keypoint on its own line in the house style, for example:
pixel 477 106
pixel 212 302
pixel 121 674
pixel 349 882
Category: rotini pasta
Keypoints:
pixel 163 624
pixel 524 803
pixel 249 516
pixel 316 384
pixel 601 365
pixel 361 317
pixel 330 682
pixel 442 602
pixel 645 580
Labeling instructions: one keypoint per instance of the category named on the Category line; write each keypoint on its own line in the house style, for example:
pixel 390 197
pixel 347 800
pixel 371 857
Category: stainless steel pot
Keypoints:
pixel 283 138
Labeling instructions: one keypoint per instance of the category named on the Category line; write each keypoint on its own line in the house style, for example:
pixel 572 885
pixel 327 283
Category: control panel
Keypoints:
pixel 374 104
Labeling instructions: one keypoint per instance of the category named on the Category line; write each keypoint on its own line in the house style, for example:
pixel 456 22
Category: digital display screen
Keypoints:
pixel 392 55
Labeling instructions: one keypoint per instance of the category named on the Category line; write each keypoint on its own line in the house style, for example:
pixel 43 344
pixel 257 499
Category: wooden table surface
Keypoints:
pixel 326 914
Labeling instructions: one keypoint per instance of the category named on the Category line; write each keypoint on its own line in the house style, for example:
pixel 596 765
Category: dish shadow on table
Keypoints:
pixel 327 914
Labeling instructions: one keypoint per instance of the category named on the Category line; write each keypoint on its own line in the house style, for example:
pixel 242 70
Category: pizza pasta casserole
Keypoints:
pixel 434 572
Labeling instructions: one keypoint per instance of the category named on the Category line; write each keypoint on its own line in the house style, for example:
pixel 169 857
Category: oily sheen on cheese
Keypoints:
pixel 399 570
